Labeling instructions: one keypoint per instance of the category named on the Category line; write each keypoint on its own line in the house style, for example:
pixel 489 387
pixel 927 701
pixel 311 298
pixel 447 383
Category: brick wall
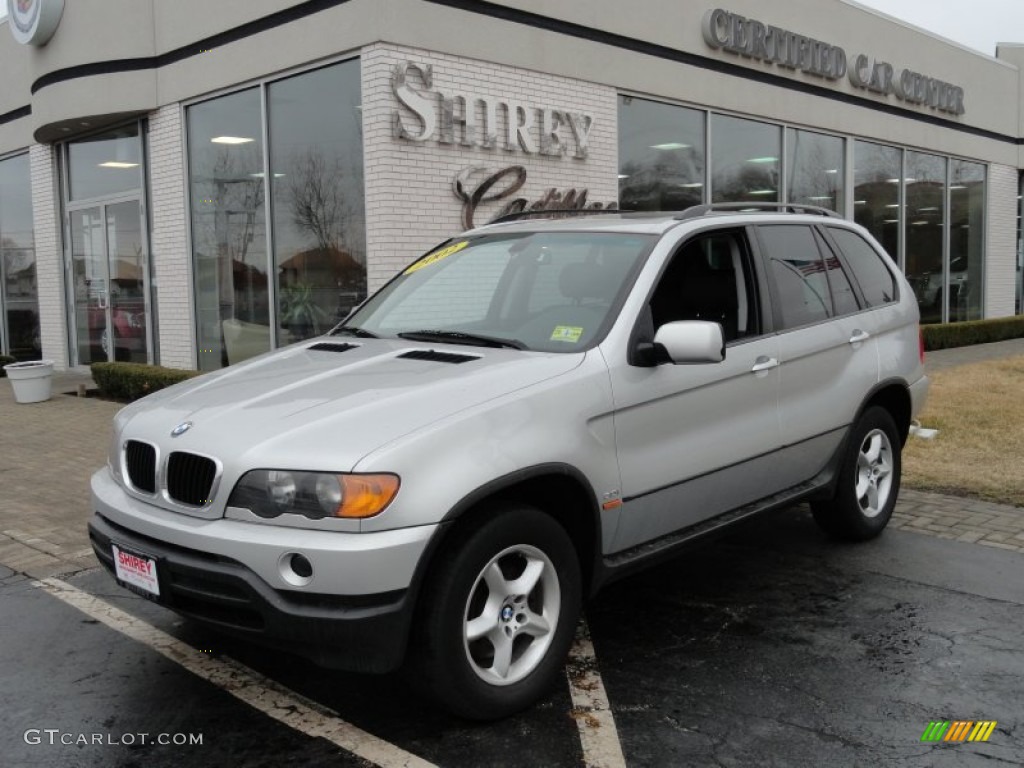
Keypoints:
pixel 171 259
pixel 410 203
pixel 49 260
pixel 1001 246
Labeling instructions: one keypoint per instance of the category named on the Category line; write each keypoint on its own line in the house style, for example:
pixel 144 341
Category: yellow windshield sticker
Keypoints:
pixel 436 256
pixel 569 333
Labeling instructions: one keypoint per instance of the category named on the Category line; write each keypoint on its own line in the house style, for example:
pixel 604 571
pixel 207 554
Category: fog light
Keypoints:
pixel 295 569
pixel 301 566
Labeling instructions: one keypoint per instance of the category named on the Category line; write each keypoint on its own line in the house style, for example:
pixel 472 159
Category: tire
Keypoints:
pixel 520 630
pixel 869 480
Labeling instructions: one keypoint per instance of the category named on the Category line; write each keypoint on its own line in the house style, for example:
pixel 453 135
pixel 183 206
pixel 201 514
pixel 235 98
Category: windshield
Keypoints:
pixel 550 292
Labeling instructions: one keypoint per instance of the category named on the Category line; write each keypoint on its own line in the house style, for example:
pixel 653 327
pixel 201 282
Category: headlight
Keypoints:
pixel 316 495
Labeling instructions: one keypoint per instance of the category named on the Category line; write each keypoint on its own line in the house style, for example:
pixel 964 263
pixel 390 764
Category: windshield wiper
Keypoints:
pixel 458 337
pixel 351 330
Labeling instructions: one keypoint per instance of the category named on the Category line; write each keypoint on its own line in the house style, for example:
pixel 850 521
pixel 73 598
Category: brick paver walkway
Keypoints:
pixel 47 453
pixel 49 450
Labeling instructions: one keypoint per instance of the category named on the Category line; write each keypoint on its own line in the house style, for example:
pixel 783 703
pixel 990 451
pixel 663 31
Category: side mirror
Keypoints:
pixel 692 341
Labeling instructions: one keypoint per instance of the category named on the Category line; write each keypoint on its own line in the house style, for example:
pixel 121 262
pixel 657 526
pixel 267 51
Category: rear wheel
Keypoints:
pixel 499 614
pixel 869 480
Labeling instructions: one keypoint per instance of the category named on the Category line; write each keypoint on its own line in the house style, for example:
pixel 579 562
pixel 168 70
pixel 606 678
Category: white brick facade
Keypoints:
pixel 49 255
pixel 171 259
pixel 410 202
pixel 1001 247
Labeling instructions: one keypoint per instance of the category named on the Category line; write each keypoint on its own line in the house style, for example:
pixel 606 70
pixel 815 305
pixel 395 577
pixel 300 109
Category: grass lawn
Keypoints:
pixel 979 451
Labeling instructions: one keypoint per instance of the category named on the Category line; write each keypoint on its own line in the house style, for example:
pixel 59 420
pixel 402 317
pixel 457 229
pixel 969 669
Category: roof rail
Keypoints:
pixel 703 210
pixel 553 213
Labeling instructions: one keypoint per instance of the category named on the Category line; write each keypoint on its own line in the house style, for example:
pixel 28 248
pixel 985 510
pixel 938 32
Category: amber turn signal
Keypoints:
pixel 366 495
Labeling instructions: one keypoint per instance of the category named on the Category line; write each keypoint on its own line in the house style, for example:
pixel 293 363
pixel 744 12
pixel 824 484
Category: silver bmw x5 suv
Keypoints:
pixel 528 411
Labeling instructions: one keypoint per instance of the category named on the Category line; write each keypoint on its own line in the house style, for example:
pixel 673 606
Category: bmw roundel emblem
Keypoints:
pixel 181 429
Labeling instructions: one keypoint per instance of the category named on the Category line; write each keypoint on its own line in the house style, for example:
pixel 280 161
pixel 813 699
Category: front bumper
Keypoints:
pixel 365 633
pixel 354 614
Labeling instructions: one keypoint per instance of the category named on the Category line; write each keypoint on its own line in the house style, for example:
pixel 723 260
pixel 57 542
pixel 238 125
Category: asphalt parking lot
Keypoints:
pixel 772 647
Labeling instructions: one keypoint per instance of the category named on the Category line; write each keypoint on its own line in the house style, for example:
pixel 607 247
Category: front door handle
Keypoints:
pixel 764 364
pixel 859 336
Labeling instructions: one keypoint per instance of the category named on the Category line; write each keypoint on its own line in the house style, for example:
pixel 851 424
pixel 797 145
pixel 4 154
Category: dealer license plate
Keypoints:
pixel 136 571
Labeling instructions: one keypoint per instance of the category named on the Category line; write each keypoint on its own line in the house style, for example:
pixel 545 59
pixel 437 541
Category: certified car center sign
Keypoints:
pixel 33 22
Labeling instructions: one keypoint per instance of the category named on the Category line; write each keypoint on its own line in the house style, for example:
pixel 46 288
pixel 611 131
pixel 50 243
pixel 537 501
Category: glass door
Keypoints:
pixel 89 280
pixel 107 259
pixel 108 266
pixel 126 263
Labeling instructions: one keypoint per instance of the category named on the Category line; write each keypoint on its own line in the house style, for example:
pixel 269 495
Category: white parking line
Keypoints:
pixel 598 734
pixel 259 692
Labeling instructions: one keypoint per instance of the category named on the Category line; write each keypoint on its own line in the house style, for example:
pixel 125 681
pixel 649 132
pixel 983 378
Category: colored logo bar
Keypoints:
pixel 959 730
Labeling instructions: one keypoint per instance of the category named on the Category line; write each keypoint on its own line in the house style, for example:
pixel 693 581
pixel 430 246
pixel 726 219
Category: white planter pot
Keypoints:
pixel 32 381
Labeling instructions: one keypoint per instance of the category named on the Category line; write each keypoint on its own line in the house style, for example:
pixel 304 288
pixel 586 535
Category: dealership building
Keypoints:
pixel 190 183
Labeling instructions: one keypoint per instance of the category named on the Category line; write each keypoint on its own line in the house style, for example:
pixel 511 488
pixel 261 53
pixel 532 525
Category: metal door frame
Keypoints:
pixel 102 204
pixel 69 207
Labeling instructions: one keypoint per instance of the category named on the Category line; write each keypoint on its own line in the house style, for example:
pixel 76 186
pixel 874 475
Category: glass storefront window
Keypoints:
pixel 661 156
pixel 926 210
pixel 1020 246
pixel 107 164
pixel 876 192
pixel 815 169
pixel 229 239
pixel 315 248
pixel 319 238
pixel 19 302
pixel 966 239
pixel 744 160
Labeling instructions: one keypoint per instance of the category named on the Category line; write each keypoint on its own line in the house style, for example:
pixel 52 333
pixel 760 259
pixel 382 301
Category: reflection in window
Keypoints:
pixel 843 298
pixel 744 160
pixel 316 151
pixel 19 302
pixel 799 274
pixel 228 228
pixel 815 169
pixel 966 239
pixel 106 164
pixel 876 192
pixel 661 156
pixel 1020 246
pixel 876 281
pixel 926 208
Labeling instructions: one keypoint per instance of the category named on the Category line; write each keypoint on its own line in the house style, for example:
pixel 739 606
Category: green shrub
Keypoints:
pixel 972 332
pixel 130 381
pixel 5 360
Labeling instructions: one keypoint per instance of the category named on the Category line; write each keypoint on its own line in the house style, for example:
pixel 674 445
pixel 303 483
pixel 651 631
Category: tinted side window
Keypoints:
pixel 710 278
pixel 876 281
pixel 799 274
pixel 843 297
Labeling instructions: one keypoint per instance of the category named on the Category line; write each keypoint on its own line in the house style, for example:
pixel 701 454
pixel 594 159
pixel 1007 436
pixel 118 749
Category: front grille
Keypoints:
pixel 190 478
pixel 140 461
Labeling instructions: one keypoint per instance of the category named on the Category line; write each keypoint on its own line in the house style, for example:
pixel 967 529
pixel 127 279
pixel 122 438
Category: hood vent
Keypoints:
pixel 330 346
pixel 438 357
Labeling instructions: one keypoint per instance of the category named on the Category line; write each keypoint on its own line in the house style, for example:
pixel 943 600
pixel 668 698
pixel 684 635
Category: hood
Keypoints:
pixel 324 409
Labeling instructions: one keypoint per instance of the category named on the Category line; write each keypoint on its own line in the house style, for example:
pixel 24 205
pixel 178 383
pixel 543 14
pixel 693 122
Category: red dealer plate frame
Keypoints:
pixel 136 571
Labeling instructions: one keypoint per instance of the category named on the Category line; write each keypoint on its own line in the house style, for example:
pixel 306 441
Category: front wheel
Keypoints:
pixel 869 480
pixel 499 614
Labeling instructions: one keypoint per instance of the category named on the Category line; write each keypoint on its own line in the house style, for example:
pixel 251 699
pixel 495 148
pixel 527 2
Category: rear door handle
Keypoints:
pixel 764 364
pixel 859 336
